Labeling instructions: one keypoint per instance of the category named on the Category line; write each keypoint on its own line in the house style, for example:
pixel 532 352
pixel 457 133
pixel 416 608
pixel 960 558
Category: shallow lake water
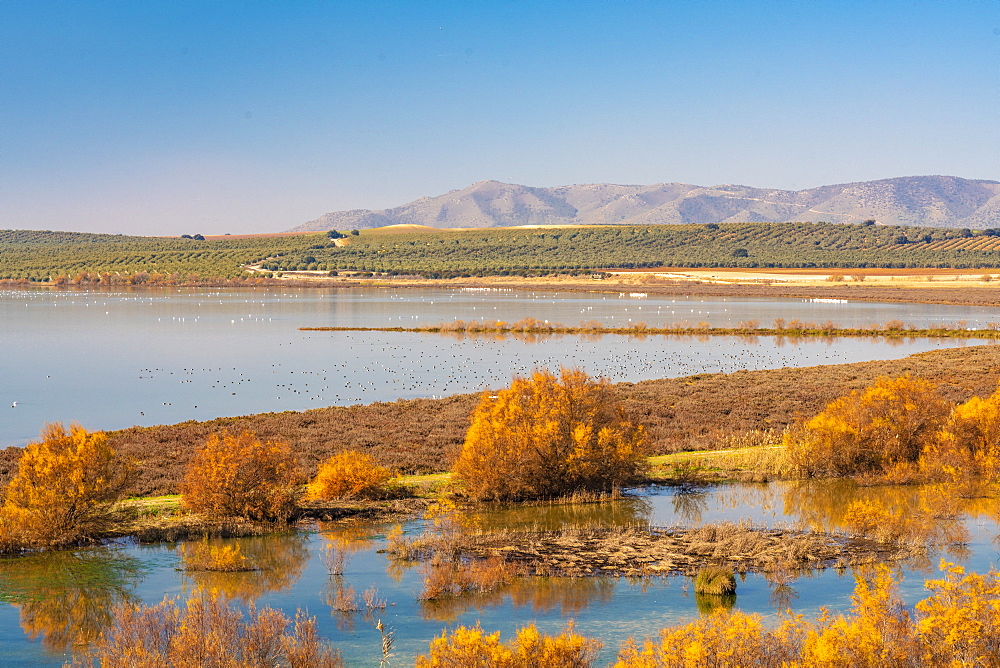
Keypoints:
pixel 54 599
pixel 110 360
pixel 114 359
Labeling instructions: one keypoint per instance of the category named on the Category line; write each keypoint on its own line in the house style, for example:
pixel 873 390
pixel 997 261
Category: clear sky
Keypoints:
pixel 154 117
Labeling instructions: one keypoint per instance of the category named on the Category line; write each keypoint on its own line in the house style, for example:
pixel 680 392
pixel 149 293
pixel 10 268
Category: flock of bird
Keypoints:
pixel 251 357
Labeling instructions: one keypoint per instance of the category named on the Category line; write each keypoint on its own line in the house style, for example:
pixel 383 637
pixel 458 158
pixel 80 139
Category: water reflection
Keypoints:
pixel 622 512
pixel 544 595
pixel 925 514
pixel 279 561
pixel 690 504
pixel 66 598
pixel 710 603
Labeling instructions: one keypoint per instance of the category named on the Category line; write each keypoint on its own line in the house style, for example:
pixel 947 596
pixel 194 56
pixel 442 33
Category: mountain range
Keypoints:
pixel 932 201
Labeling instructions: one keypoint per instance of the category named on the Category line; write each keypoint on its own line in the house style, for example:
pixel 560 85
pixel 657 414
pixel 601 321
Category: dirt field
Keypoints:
pixel 910 278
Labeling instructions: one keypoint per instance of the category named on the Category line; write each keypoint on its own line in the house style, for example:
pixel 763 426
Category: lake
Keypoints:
pixel 118 358
pixel 113 359
pixel 60 597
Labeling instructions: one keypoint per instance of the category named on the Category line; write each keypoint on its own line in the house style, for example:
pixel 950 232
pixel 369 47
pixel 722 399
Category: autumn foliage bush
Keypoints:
pixel 901 430
pixel 64 489
pixel 238 475
pixel 967 450
pixel 548 436
pixel 891 422
pixel 349 474
pixel 467 646
pixel 208 631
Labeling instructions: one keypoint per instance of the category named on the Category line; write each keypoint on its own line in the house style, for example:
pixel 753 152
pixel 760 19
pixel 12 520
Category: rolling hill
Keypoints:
pixel 924 201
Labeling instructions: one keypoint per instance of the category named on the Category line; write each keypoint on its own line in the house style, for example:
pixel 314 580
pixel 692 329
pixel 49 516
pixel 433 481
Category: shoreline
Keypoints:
pixel 709 411
pixel 917 286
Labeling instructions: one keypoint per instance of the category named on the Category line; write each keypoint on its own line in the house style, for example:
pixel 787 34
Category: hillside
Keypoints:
pixel 532 251
pixel 81 257
pixel 66 257
pixel 925 201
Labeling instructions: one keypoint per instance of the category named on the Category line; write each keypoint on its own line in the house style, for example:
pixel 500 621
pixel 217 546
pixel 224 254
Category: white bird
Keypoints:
pixel 14 405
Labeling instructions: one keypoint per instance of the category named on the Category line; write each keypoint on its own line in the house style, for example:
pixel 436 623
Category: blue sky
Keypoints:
pixel 151 117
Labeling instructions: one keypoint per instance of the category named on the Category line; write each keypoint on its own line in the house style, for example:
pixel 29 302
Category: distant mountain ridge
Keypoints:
pixel 932 201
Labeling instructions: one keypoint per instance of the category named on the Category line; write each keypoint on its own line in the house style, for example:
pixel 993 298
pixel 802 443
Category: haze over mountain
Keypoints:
pixel 935 201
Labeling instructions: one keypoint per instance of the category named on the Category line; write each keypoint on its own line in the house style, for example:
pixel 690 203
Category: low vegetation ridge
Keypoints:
pixel 77 258
pixel 794 328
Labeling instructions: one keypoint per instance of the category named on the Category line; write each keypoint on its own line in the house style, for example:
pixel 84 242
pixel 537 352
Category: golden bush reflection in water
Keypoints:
pixel 279 561
pixel 66 598
pixel 929 515
pixel 622 512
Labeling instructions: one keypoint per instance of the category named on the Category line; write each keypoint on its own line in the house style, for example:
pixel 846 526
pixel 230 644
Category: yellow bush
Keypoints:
pixel 719 640
pixel 349 474
pixel 890 422
pixel 960 621
pixel 528 649
pixel 967 450
pixel 877 632
pixel 241 476
pixel 547 436
pixel 63 490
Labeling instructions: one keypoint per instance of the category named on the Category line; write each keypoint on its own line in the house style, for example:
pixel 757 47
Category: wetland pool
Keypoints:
pixel 51 600
pixel 113 359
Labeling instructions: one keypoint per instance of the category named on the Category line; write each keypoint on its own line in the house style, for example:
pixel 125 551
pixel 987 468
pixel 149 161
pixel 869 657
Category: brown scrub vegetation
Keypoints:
pixel 704 411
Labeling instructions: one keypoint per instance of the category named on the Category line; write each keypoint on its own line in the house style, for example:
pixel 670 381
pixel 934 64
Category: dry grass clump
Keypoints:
pixel 715 581
pixel 445 576
pixel 208 631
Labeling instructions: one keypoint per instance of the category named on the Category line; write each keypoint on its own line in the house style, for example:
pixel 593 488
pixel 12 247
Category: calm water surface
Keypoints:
pixel 54 599
pixel 114 359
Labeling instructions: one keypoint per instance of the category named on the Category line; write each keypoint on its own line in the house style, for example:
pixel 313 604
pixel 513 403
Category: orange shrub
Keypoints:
pixel 241 476
pixel 890 422
pixel 349 474
pixel 528 649
pixel 967 450
pixel 63 490
pixel 547 436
